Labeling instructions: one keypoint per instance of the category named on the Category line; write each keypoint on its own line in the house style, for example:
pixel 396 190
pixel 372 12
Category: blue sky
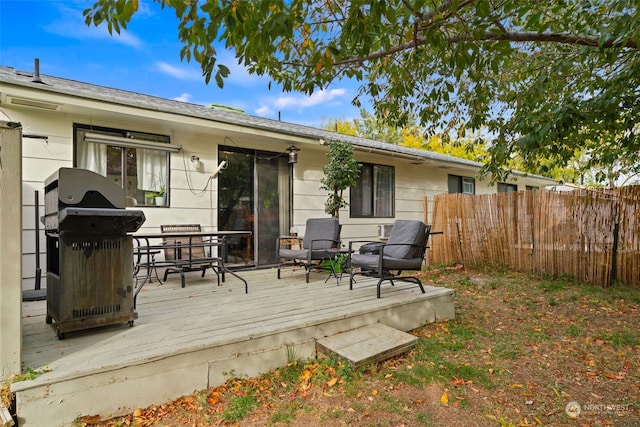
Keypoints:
pixel 146 59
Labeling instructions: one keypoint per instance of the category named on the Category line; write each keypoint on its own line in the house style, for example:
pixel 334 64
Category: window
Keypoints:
pixel 461 184
pixel 373 195
pixel 505 188
pixel 532 188
pixel 137 162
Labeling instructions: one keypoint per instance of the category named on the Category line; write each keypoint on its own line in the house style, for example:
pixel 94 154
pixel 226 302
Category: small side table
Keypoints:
pixel 334 253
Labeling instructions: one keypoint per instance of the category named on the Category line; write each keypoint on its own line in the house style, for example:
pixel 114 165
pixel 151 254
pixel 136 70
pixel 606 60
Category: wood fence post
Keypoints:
pixel 460 242
pixel 614 252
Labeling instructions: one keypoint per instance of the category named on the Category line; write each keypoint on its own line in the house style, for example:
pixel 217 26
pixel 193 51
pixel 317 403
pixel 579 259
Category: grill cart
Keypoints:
pixel 89 251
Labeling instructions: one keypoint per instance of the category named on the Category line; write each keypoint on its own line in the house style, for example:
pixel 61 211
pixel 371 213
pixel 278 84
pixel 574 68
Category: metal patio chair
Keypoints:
pixel 321 242
pixel 185 254
pixel 405 250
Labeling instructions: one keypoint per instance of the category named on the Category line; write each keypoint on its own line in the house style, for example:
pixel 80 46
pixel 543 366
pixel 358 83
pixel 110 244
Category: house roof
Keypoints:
pixel 9 75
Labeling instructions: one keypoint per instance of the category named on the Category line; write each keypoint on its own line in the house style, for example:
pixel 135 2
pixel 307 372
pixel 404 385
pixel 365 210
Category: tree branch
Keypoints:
pixel 610 43
pixel 522 37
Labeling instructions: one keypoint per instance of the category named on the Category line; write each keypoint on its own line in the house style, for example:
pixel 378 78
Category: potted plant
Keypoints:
pixel 160 197
pixel 156 193
pixel 149 197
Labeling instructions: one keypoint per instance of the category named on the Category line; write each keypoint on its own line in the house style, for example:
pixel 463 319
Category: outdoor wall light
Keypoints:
pixel 293 154
pixel 197 164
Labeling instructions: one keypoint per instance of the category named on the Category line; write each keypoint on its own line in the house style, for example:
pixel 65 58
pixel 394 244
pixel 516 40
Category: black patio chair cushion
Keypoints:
pixel 370 248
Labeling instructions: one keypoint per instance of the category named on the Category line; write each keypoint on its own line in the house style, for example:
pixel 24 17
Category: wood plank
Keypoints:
pixel 368 344
pixel 5 417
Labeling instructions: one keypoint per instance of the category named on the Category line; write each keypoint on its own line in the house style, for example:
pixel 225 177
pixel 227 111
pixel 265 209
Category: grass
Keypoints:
pixel 621 339
pixel 519 350
pixel 239 407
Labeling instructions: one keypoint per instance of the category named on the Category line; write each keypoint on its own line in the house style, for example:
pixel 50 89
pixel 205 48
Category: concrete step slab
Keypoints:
pixel 368 344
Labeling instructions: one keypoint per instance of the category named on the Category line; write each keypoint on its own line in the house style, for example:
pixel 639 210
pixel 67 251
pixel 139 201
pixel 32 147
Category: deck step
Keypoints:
pixel 367 344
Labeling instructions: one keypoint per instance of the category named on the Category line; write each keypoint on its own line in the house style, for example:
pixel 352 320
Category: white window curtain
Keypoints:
pixel 152 168
pixel 383 187
pixel 92 157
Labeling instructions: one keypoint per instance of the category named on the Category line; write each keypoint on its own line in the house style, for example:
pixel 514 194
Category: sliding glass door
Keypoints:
pixel 253 195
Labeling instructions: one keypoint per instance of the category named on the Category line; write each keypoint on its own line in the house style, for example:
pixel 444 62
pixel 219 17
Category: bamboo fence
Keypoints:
pixel 593 236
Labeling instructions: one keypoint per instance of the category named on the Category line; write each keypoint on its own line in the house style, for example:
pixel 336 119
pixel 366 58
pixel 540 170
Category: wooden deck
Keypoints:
pixel 188 339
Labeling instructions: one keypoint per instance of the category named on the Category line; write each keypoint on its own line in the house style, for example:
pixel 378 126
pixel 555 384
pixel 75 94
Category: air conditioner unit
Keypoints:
pixel 384 230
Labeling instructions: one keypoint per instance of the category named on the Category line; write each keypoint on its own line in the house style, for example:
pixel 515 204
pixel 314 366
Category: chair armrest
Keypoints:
pixel 352 251
pixel 312 243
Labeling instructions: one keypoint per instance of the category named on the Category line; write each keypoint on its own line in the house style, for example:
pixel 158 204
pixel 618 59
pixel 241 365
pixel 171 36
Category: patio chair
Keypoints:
pixel 405 250
pixel 185 254
pixel 320 242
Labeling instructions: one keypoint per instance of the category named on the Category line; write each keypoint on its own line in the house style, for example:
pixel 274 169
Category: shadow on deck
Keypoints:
pixel 186 339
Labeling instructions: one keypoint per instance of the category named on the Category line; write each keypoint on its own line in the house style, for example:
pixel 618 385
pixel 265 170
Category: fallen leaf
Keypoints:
pixel 444 399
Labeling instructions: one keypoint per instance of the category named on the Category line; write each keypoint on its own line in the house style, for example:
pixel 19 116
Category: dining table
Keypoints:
pixel 183 244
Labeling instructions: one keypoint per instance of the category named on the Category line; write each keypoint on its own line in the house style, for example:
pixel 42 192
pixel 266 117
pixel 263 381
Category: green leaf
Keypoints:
pixel 482 8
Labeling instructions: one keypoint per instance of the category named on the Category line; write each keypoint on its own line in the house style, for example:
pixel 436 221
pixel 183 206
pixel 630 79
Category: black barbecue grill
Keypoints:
pixel 89 251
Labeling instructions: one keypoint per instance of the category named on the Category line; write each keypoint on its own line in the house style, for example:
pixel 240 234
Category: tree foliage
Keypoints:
pixel 411 135
pixel 371 127
pixel 340 173
pixel 468 148
pixel 538 79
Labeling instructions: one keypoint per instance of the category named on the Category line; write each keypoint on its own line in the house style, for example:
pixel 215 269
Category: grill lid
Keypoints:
pixel 82 188
pixel 100 220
